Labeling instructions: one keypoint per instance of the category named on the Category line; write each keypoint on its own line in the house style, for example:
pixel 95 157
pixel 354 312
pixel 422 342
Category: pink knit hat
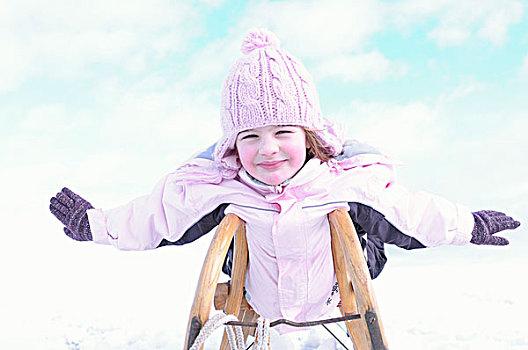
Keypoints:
pixel 267 86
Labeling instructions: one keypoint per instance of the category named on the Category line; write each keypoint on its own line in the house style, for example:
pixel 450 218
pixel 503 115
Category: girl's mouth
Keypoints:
pixel 271 165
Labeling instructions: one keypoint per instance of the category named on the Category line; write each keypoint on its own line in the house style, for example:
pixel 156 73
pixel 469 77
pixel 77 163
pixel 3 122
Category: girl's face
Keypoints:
pixel 272 154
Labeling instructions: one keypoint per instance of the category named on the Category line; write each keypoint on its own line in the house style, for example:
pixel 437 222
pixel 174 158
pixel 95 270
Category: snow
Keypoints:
pixel 443 298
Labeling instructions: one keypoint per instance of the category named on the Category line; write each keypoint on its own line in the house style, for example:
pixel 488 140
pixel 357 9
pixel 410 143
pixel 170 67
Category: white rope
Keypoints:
pixel 240 337
pixel 263 334
pixel 234 333
pixel 235 337
pixel 212 324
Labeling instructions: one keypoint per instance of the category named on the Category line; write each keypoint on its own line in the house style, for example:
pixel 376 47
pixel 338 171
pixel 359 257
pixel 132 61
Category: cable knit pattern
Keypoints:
pixel 268 86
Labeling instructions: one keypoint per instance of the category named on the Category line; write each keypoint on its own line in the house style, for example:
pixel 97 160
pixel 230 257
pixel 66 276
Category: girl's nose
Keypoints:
pixel 268 146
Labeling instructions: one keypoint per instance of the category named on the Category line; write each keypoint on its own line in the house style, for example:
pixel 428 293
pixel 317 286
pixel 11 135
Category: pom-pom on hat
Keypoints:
pixel 258 39
pixel 268 86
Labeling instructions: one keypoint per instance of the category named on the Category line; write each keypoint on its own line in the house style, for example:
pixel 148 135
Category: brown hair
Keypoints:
pixel 315 147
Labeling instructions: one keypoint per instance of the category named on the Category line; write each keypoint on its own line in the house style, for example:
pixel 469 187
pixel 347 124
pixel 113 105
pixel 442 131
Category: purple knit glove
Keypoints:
pixel 488 222
pixel 71 209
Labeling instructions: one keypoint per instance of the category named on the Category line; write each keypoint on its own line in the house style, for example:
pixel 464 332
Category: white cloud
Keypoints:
pixel 459 21
pixel 132 135
pixel 15 63
pixel 492 148
pixel 372 66
pixel 523 71
pixel 334 34
pixel 464 88
pixel 400 130
pixel 332 37
pixel 212 3
pixel 137 133
pixel 317 29
pixel 449 35
pixel 61 39
pixel 209 66
pixel 495 26
pixel 47 116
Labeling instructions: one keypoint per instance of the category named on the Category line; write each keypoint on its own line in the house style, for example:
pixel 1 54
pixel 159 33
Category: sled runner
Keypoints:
pixel 355 285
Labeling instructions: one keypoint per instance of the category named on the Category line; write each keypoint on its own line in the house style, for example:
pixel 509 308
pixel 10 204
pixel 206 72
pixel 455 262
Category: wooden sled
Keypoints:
pixel 355 285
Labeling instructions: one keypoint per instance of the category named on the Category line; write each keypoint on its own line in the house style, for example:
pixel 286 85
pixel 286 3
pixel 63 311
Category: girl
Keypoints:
pixel 281 167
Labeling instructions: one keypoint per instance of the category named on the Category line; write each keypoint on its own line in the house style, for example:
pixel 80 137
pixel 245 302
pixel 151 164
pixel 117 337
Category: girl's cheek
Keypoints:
pixel 295 150
pixel 244 153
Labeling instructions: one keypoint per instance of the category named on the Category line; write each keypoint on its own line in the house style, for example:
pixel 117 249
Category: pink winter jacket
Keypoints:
pixel 290 271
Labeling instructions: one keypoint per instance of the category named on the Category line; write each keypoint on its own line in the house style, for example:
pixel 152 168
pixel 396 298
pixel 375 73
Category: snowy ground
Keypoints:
pixel 445 298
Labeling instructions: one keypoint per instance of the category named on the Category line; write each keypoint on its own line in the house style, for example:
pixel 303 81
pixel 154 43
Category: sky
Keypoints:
pixel 106 97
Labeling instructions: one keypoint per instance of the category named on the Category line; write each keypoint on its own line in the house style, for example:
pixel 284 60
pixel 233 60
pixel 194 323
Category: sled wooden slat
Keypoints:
pixel 344 236
pixel 249 316
pixel 356 328
pixel 221 294
pixel 238 280
pixel 355 285
pixel 206 287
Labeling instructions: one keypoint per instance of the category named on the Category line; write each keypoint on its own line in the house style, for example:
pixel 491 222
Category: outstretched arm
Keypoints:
pixel 429 219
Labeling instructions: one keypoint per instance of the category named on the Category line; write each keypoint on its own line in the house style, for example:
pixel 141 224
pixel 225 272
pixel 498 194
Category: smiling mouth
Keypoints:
pixel 271 165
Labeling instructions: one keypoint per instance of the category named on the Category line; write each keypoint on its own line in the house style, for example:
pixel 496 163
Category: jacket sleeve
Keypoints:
pixel 426 218
pixel 146 221
pixel 379 229
pixel 200 228
pixel 396 215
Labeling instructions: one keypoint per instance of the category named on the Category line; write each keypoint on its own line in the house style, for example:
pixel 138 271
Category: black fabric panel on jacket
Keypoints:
pixel 228 262
pixel 200 228
pixel 375 251
pixel 379 228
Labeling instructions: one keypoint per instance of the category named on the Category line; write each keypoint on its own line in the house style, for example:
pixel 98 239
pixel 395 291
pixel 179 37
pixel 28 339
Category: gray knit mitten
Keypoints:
pixel 488 222
pixel 70 209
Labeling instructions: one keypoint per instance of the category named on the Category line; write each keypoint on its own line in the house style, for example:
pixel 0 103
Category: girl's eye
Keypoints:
pixel 284 131
pixel 248 136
